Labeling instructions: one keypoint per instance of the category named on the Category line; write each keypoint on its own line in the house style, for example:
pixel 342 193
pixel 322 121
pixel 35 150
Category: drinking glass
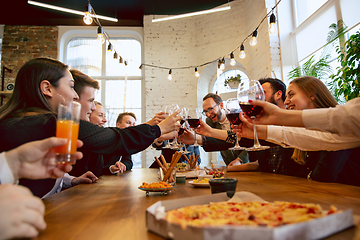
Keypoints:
pixel 184 113
pixel 251 90
pixel 170 109
pixel 67 126
pixel 232 109
pixel 194 120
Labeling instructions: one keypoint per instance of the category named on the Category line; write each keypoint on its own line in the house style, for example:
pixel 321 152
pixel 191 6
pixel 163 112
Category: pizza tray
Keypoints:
pixel 315 229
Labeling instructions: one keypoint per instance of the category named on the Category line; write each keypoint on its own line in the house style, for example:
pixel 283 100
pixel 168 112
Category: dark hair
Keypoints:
pixel 27 95
pixel 214 96
pixel 312 86
pixel 276 85
pixel 82 80
pixel 121 115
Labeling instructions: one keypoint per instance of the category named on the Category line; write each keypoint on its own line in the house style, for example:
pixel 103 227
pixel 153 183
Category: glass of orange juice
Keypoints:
pixel 67 126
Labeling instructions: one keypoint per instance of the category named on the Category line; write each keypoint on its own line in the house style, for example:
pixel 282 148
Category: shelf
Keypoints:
pixel 6 93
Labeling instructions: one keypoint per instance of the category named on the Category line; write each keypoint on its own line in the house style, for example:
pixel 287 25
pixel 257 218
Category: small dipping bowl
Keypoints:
pixel 180 178
pixel 228 185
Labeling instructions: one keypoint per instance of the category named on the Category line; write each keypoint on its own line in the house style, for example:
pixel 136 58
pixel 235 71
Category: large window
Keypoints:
pixel 120 85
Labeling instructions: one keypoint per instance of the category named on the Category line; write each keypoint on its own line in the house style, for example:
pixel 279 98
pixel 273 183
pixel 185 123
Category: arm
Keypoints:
pixel 251 166
pixel 343 119
pixel 127 161
pixel 310 140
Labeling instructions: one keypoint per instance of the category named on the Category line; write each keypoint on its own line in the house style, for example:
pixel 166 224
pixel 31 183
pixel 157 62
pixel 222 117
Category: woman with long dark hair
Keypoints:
pixel 30 114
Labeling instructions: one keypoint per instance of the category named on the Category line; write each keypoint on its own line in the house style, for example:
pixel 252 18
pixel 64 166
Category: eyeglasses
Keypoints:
pixel 209 110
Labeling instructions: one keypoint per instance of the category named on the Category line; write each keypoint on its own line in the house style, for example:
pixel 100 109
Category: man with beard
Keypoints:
pixel 213 109
pixel 274 90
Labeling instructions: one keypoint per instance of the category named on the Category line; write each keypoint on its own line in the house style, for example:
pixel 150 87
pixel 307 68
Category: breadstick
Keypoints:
pixel 186 159
pixel 160 165
pixel 196 159
pixel 164 162
pixel 173 163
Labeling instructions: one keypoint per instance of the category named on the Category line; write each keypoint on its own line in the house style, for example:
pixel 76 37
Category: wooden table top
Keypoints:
pixel 114 207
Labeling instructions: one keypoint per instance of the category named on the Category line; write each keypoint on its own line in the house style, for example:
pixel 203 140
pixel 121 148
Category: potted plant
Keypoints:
pixel 233 82
pixel 346 81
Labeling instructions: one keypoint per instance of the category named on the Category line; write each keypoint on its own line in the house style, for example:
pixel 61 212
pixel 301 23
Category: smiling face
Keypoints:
pixel 64 92
pixel 269 93
pixel 98 116
pixel 86 99
pixel 297 100
pixel 126 121
pixel 213 111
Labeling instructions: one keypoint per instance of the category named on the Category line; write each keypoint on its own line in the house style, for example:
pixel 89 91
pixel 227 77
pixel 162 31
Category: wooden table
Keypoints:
pixel 114 207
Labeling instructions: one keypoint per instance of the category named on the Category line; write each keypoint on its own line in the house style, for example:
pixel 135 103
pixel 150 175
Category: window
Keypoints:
pixel 218 85
pixel 120 85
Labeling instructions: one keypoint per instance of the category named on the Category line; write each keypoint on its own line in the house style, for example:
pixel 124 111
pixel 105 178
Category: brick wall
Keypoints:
pixel 22 43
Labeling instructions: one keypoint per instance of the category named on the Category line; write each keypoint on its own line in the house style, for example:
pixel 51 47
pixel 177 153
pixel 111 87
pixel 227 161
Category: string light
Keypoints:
pixel 87 17
pixel 222 65
pixel 125 63
pixel 253 40
pixel 100 35
pixel 170 75
pixel 272 26
pixel 115 55
pixel 197 74
pixel 232 61
pixel 110 47
pixel 242 51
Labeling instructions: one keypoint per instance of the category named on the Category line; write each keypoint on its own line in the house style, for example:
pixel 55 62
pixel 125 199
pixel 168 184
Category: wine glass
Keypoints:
pixel 194 120
pixel 251 90
pixel 183 114
pixel 170 109
pixel 232 109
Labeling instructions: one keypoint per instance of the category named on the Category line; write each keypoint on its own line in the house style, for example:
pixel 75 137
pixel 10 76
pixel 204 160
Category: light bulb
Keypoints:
pixel 242 51
pixel 100 35
pixel 101 38
pixel 242 54
pixel 197 73
pixel 170 76
pixel 87 18
pixel 232 61
pixel 222 66
pixel 272 26
pixel 253 41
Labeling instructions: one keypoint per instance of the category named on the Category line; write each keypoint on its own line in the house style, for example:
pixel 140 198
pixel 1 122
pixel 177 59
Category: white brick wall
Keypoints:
pixel 196 40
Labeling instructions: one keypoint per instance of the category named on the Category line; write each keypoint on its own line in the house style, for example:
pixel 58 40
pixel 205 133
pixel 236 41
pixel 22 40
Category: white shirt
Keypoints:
pixel 310 140
pixel 6 176
pixel 343 119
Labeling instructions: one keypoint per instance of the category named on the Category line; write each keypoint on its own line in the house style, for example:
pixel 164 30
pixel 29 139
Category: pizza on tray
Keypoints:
pixel 246 213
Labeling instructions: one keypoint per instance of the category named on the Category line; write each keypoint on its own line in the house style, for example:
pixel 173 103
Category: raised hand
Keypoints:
pixel 171 123
pixel 36 160
pixel 160 116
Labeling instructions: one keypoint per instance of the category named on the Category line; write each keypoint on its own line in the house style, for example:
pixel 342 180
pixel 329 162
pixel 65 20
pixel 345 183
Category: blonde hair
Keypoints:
pixel 312 87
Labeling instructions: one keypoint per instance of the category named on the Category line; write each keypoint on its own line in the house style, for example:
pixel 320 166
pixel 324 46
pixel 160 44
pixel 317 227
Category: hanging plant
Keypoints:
pixel 345 82
pixel 233 82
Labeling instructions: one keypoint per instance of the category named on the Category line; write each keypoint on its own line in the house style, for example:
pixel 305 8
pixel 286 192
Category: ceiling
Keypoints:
pixel 129 12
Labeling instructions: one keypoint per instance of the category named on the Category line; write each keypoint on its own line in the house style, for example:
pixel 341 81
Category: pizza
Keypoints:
pixel 246 213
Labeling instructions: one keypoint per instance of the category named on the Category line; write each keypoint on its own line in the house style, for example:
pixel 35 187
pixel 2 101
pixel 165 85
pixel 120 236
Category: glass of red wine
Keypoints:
pixel 232 109
pixel 251 90
pixel 194 120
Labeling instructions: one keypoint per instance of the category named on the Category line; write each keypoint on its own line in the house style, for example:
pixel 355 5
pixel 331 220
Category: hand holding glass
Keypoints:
pixel 67 126
pixel 232 109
